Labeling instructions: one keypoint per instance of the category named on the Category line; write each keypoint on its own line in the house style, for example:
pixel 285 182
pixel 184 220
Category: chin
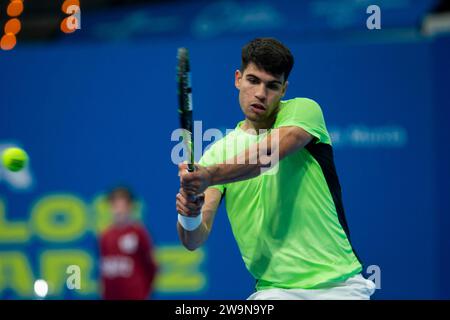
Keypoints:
pixel 253 116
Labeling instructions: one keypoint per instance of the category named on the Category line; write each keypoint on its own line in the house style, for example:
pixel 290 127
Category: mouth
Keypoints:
pixel 257 107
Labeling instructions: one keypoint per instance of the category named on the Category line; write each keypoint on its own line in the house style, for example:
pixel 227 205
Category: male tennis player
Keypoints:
pixel 288 219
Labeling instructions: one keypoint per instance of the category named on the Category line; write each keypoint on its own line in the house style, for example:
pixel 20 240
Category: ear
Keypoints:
pixel 285 86
pixel 237 79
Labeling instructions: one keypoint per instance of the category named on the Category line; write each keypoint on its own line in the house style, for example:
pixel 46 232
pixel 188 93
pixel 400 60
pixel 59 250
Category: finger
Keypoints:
pixel 185 180
pixel 189 195
pixel 188 181
pixel 188 177
pixel 178 208
pixel 189 189
pixel 183 193
pixel 181 209
pixel 182 167
pixel 191 205
pixel 181 199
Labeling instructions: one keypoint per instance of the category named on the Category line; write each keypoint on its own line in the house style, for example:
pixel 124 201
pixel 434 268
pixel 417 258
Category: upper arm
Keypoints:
pixel 289 140
pixel 298 122
pixel 210 206
pixel 146 247
pixel 145 241
pixel 280 143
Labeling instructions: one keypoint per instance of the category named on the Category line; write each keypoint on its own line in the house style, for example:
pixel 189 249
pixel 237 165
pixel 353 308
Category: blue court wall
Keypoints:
pixel 93 115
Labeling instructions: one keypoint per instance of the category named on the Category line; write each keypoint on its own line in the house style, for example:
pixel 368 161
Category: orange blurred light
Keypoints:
pixel 69 3
pixel 65 26
pixel 15 8
pixel 13 26
pixel 8 41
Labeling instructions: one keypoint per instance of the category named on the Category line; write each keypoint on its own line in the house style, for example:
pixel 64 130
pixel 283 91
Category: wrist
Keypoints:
pixel 190 223
pixel 211 170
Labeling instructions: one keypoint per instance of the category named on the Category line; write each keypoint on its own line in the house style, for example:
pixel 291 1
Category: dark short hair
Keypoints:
pixel 121 192
pixel 269 55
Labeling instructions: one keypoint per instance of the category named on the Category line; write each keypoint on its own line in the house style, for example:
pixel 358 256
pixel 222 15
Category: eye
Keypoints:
pixel 274 86
pixel 252 80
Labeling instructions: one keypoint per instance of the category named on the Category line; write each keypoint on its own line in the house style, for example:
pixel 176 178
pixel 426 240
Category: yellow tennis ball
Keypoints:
pixel 15 159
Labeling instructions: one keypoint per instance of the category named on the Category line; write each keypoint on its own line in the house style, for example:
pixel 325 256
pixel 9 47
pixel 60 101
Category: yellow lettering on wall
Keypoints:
pixel 54 264
pixel 12 232
pixel 70 210
pixel 15 273
pixel 179 269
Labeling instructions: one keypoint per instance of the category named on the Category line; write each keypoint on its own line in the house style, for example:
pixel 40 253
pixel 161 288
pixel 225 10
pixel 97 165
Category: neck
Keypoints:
pixel 122 219
pixel 256 126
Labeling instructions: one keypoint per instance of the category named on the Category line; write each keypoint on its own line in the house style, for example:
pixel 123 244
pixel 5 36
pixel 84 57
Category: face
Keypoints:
pixel 259 94
pixel 121 207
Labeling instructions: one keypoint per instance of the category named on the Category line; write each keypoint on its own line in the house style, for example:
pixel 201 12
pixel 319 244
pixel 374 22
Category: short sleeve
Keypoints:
pixel 306 114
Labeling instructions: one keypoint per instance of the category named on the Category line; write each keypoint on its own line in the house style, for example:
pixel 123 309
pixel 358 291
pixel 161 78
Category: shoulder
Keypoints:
pixel 304 113
pixel 140 229
pixel 300 103
pixel 107 235
pixel 301 109
pixel 107 232
pixel 137 226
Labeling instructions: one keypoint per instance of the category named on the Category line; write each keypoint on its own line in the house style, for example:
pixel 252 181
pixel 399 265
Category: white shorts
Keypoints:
pixel 354 288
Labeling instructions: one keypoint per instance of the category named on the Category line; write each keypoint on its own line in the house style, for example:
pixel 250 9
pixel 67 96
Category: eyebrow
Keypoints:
pixel 272 81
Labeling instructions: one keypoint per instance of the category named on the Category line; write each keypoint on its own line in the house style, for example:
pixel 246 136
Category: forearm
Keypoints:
pixel 227 173
pixel 260 156
pixel 193 239
pixel 248 164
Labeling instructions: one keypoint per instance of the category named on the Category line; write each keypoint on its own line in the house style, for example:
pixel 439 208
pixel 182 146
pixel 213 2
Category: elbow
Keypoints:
pixel 191 246
pixel 189 243
pixel 190 240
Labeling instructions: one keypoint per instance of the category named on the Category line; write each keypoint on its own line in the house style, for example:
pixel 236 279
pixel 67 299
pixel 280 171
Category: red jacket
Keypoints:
pixel 127 265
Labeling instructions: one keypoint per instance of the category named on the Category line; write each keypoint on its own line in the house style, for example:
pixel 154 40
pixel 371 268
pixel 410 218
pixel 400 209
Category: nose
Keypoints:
pixel 261 92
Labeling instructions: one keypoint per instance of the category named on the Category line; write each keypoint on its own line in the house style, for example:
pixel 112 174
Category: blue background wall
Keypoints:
pixel 92 114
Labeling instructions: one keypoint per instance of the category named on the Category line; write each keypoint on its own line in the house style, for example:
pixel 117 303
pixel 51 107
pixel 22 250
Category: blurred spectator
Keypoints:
pixel 127 262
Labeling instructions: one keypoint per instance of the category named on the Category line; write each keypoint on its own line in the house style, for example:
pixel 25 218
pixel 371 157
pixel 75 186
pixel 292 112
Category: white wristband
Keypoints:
pixel 190 223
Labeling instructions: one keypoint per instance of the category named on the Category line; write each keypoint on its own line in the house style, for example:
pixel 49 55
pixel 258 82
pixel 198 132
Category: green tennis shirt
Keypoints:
pixel 289 222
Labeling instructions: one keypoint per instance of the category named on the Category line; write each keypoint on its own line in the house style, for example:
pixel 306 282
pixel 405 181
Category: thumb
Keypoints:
pixel 182 167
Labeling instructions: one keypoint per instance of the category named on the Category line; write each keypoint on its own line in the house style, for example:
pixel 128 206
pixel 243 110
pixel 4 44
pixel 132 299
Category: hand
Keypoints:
pixel 188 205
pixel 194 183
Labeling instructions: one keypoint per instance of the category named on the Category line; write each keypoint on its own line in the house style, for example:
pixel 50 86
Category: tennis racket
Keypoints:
pixel 185 103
